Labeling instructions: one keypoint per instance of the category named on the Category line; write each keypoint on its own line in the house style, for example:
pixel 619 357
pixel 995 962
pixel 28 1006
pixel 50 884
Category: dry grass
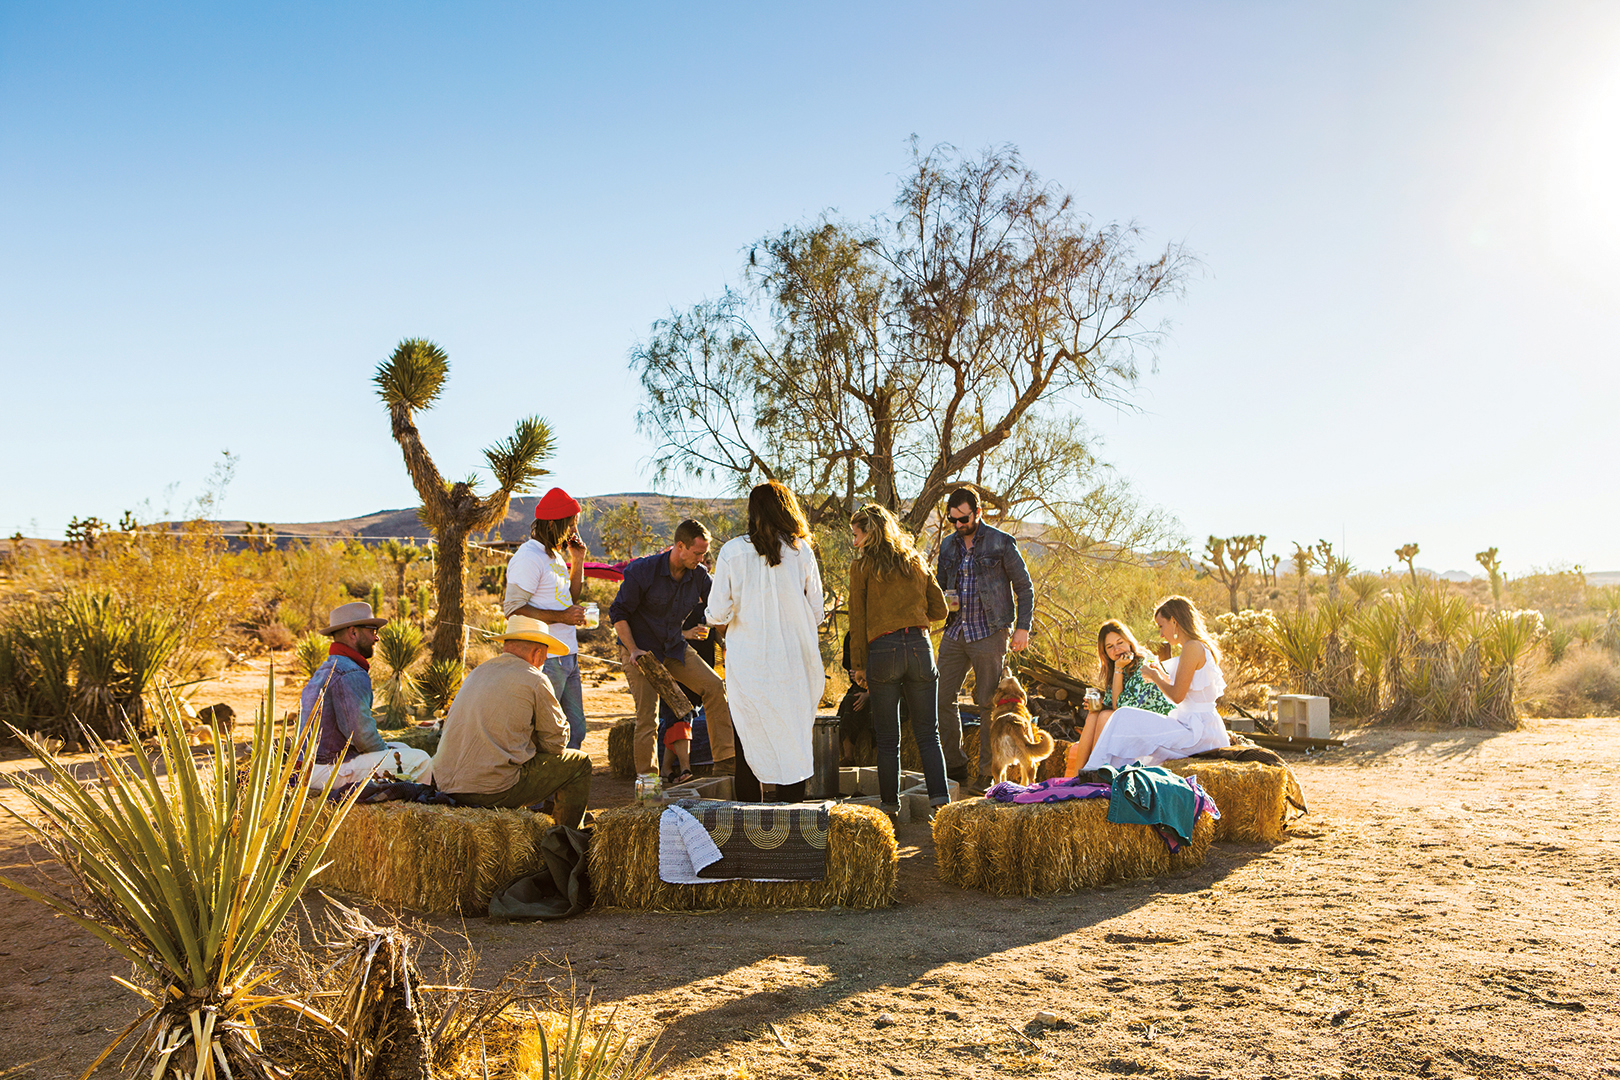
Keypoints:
pixel 622 749
pixel 1013 849
pixel 441 859
pixel 861 862
pixel 1252 797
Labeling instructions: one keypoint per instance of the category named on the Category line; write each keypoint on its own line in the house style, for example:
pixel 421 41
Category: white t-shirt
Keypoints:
pixel 539 578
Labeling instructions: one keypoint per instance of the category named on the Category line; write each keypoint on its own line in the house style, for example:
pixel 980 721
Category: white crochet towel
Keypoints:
pixel 684 848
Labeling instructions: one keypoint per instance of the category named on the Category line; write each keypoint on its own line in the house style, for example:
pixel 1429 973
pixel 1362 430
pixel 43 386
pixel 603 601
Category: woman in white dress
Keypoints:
pixel 1192 681
pixel 767 594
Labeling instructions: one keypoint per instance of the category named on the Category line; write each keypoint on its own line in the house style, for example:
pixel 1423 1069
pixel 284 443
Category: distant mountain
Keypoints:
pixel 659 514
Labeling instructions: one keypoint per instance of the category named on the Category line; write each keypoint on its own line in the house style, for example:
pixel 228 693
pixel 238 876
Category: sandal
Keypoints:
pixel 677 779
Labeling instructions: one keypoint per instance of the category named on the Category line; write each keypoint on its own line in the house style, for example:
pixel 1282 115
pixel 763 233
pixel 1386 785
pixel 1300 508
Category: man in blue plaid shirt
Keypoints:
pixel 994 607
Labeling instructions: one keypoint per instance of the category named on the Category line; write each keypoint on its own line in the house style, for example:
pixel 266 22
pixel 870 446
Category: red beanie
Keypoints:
pixel 555 505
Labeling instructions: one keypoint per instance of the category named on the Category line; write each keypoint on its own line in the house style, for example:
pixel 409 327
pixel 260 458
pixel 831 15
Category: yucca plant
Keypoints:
pixel 399 645
pixel 439 682
pixel 312 650
pixel 187 874
pixel 1298 638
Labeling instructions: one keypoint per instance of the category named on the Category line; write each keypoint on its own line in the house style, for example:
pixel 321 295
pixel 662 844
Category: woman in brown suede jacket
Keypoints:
pixel 893 599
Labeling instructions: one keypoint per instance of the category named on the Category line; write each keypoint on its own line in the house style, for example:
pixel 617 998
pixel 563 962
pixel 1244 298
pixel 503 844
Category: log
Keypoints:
pixel 1290 742
pixel 663 682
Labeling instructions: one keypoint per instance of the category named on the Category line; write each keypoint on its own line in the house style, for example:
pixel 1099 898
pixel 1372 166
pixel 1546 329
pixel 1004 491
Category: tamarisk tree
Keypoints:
pixel 890 360
pixel 410 381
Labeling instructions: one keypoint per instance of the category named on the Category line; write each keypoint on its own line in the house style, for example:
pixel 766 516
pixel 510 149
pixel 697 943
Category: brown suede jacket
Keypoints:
pixel 878 607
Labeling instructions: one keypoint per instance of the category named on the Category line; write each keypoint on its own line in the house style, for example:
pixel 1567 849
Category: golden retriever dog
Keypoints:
pixel 1015 742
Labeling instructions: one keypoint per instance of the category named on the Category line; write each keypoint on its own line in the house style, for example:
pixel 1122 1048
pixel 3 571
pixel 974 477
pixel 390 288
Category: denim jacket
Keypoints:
pixel 340 690
pixel 1001 575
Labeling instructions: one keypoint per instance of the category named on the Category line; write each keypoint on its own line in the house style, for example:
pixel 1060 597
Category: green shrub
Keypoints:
pixel 399 645
pixel 82 656
pixel 313 648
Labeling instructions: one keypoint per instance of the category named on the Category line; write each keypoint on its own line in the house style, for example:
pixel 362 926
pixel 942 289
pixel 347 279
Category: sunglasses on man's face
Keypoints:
pixel 954 520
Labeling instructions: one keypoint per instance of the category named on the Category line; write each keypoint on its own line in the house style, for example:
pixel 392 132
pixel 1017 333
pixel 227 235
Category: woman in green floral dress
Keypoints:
pixel 1121 660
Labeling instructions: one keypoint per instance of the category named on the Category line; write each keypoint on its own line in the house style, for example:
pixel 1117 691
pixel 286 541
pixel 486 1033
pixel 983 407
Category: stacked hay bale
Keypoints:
pixel 442 859
pixel 622 749
pixel 1012 849
pixel 862 858
pixel 1252 796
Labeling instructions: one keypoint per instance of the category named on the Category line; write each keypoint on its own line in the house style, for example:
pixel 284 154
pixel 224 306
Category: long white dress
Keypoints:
pixel 774 677
pixel 1136 735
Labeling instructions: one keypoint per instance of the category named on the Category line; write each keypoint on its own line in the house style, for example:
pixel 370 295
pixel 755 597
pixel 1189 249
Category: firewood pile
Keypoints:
pixel 1056 699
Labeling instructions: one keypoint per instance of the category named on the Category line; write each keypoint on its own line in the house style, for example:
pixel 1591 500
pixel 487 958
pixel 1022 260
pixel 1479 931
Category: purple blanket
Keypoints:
pixel 1056 789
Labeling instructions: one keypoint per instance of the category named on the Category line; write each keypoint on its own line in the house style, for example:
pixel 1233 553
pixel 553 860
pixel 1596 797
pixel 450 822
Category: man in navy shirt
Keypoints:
pixel 649 615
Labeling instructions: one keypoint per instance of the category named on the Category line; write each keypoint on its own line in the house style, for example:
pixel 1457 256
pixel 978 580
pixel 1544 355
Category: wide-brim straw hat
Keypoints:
pixel 523 628
pixel 355 614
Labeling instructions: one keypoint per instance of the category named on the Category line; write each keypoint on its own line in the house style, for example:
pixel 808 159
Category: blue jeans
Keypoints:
pixel 563 671
pixel 903 663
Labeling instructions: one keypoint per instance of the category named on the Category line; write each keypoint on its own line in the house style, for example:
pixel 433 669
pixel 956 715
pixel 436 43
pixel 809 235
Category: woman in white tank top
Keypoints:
pixel 1192 681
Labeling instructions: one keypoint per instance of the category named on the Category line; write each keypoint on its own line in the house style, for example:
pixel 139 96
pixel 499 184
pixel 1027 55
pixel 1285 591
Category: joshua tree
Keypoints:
pixel 1303 557
pixel 401 555
pixel 1238 549
pixel 1336 567
pixel 1493 567
pixel 1406 553
pixel 411 380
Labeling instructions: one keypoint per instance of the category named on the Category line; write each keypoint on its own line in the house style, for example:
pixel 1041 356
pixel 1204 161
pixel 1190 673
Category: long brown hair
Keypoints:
pixel 553 532
pixel 1185 614
pixel 888 548
pixel 774 519
pixel 1104 661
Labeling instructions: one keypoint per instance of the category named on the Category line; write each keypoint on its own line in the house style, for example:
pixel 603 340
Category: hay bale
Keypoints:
pixel 862 858
pixel 442 859
pixel 1252 796
pixel 622 749
pixel 911 759
pixel 1014 849
pixel 1052 764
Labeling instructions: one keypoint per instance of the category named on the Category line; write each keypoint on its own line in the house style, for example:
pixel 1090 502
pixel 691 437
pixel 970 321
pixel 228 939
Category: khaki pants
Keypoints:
pixel 565 777
pixel 691 672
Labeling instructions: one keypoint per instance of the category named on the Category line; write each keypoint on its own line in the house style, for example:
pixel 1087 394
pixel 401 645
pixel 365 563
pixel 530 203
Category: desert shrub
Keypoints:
pixel 1587 683
pixel 1422 655
pixel 1247 660
pixel 84 655
pixel 275 636
pixel 1558 641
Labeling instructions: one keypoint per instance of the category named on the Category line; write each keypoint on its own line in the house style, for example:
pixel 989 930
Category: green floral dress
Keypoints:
pixel 1137 692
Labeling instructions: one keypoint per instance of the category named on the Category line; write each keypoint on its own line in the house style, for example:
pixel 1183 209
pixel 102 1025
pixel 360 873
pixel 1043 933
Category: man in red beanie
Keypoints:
pixel 543 580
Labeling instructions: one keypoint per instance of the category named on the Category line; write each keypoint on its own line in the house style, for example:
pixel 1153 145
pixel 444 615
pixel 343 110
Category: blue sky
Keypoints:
pixel 215 220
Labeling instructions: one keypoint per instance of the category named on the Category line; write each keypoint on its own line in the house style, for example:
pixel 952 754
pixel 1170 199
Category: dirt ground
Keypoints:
pixel 1447 909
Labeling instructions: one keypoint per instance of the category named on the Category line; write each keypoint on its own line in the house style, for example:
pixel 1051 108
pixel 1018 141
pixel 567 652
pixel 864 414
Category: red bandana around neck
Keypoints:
pixel 339 649
pixel 1009 701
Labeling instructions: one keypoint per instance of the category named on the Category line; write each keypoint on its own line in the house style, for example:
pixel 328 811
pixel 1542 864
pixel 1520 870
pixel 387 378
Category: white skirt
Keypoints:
pixel 409 764
pixel 1135 735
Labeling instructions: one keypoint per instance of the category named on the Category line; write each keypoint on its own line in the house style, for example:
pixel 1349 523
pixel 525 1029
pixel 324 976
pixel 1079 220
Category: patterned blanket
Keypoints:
pixel 764 841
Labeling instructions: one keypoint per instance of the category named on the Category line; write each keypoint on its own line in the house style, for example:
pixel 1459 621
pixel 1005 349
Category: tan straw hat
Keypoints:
pixel 523 628
pixel 355 614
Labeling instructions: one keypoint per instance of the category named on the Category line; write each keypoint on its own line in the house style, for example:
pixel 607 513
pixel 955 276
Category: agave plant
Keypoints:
pixel 399 645
pixel 187 874
pixel 312 651
pixel 439 682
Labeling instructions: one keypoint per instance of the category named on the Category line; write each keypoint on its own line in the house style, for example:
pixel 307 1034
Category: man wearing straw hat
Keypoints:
pixel 338 698
pixel 505 739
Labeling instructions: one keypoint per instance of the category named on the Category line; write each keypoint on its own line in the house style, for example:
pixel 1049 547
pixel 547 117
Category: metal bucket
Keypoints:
pixel 827 748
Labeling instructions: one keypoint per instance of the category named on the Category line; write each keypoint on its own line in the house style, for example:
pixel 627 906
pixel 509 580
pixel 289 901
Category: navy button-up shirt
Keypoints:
pixel 656 605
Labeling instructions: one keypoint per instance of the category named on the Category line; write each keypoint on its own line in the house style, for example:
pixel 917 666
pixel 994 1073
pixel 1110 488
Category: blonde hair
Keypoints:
pixel 1185 614
pixel 887 549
